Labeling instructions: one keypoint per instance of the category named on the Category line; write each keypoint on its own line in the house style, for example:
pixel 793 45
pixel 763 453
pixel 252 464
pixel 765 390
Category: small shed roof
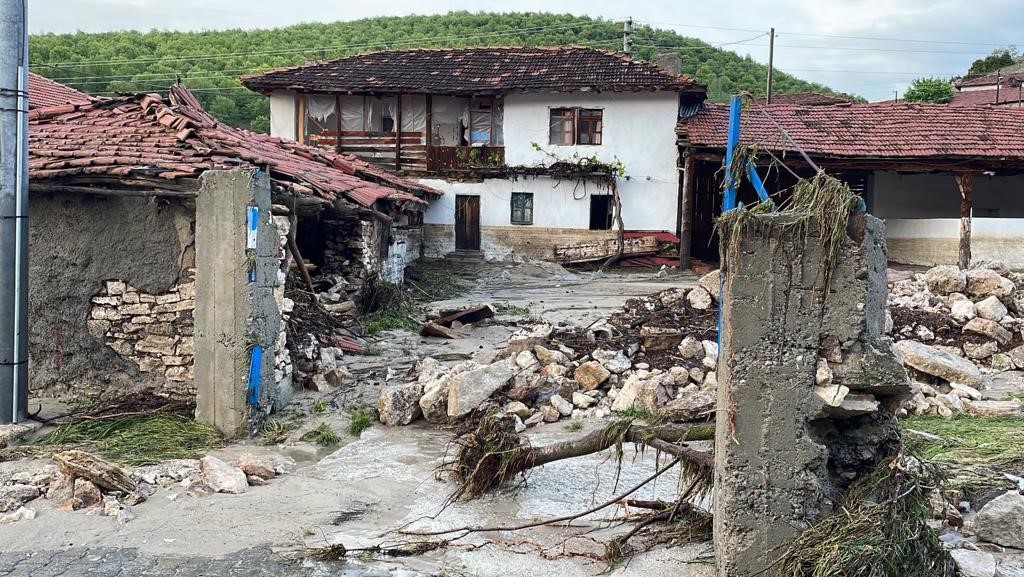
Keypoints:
pixel 147 138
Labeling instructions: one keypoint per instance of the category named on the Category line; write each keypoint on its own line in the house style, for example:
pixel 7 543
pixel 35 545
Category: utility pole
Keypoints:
pixel 771 65
pixel 627 37
pixel 999 80
pixel 895 96
pixel 13 211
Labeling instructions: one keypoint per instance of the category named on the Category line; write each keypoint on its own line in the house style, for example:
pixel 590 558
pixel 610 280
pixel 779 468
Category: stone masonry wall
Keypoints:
pixel 153 331
pixel 510 242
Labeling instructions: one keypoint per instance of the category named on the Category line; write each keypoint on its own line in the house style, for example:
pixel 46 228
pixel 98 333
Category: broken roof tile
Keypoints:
pixel 176 138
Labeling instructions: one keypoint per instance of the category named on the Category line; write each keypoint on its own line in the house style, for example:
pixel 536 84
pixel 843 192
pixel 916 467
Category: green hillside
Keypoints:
pixel 210 62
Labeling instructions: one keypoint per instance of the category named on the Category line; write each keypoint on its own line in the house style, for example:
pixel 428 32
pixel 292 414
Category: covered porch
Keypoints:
pixel 412 133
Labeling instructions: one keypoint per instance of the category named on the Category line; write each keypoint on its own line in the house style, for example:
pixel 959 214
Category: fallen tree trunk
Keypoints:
pixel 660 437
pixel 492 455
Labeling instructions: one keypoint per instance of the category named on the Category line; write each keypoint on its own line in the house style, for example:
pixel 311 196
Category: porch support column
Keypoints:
pixel 686 211
pixel 398 132
pixel 965 182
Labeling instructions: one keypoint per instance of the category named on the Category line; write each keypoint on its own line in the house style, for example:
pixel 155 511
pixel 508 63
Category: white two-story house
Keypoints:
pixel 507 133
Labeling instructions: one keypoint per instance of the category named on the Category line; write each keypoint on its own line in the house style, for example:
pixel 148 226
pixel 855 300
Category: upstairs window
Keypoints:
pixel 522 208
pixel 575 126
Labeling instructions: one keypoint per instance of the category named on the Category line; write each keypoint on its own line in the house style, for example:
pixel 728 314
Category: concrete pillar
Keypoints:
pixel 233 315
pixel 786 444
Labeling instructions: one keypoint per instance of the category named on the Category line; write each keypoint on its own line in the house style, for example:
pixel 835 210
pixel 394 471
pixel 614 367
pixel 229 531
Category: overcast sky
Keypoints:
pixel 887 42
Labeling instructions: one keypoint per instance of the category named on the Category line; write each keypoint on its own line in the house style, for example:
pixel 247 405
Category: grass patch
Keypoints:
pixel 320 406
pixel 436 284
pixel 361 419
pixel 879 529
pixel 323 435
pixel 574 425
pixel 635 414
pixel 139 440
pixel 389 320
pixel 274 432
pixel 969 441
pixel 511 310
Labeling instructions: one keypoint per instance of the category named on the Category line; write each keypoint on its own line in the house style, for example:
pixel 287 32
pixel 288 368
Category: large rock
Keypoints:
pixel 945 279
pixel 399 404
pixel 985 282
pixel 981 351
pixel 548 356
pixel 527 361
pixel 712 282
pixel 932 361
pixel 12 496
pixel 692 406
pixel 434 402
pixel 991 308
pixel 1001 520
pixel 87 494
pixel 221 477
pixel 974 563
pixel 962 310
pixel 591 374
pixel 473 387
pixel 660 338
pixel 564 407
pixel 691 348
pixel 990 329
pixel 1017 356
pixel 640 394
pixel 699 299
pixel 615 361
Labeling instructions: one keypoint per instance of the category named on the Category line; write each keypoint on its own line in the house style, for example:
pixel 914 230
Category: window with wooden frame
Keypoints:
pixel 575 126
pixel 522 208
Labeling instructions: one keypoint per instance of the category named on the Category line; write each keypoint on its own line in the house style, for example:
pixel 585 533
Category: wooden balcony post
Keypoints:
pixel 965 182
pixel 398 132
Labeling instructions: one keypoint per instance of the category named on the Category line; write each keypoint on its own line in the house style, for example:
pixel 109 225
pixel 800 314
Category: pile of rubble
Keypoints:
pixel 953 327
pixel 985 536
pixel 657 355
pixel 81 481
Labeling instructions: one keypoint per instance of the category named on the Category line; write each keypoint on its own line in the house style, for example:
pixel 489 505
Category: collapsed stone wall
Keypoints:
pixel 153 331
pixel 809 383
pixel 79 243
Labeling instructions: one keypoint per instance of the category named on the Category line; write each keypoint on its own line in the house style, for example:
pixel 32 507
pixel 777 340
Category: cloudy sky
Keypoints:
pixel 867 47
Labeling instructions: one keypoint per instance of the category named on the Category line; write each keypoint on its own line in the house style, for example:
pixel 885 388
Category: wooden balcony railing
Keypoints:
pixel 408 151
pixel 448 158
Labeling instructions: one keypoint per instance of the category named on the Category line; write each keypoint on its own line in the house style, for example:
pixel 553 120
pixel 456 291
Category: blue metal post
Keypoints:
pixel 729 198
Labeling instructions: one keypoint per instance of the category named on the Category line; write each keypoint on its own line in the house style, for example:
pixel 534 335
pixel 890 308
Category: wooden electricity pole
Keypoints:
pixel 771 65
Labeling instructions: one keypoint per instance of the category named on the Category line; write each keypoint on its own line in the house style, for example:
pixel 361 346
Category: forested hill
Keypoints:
pixel 211 62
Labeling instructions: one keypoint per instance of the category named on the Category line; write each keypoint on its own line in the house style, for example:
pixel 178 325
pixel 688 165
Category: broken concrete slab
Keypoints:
pixel 932 361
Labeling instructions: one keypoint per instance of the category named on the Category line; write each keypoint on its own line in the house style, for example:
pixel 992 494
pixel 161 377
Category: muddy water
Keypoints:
pixel 392 473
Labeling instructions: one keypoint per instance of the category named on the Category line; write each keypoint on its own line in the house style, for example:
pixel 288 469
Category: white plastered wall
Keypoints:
pixel 922 216
pixel 638 129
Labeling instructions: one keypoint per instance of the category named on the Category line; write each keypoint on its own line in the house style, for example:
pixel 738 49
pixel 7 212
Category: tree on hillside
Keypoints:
pixel 934 90
pixel 210 63
pixel 1000 58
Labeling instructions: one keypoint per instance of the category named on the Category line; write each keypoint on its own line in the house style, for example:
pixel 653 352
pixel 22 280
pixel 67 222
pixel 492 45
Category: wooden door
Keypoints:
pixel 467 222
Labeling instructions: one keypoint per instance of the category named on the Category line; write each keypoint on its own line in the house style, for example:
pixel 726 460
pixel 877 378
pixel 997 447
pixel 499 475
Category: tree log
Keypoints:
pixel 660 437
pixel 79 464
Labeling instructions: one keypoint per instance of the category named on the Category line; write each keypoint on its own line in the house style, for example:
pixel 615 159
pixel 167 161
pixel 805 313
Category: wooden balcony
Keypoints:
pixel 442 159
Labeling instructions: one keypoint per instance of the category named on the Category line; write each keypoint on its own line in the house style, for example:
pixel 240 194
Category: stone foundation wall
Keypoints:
pixel 511 242
pixel 153 331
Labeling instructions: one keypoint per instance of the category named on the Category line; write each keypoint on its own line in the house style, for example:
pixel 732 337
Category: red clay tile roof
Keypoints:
pixel 148 136
pixel 45 92
pixel 990 79
pixel 492 70
pixel 807 99
pixel 1007 95
pixel 883 131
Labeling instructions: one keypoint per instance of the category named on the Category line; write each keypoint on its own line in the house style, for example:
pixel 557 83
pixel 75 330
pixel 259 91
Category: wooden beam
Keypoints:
pixel 398 132
pixel 103 191
pixel 965 182
pixel 686 208
pixel 337 122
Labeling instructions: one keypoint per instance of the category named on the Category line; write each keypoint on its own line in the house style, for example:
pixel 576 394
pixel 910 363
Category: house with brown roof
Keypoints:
pixel 508 133
pixel 998 89
pixel 945 179
pixel 161 242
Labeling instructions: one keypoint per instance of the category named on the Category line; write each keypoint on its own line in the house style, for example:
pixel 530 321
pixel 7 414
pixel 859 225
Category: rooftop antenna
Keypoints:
pixel 627 37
